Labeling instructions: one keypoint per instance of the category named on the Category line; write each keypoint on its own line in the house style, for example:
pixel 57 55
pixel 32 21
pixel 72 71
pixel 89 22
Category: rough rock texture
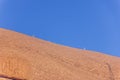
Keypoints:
pixel 29 58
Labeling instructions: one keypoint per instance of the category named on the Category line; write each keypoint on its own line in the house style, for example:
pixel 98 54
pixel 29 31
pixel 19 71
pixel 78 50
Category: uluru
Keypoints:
pixel 24 57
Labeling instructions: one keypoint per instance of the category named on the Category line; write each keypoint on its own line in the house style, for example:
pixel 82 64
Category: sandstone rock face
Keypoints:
pixel 27 58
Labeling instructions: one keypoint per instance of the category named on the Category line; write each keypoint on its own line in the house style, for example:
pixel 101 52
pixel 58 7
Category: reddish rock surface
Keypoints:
pixel 29 58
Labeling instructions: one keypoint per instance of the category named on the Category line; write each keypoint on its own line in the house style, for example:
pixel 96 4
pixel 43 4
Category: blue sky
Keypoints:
pixel 90 24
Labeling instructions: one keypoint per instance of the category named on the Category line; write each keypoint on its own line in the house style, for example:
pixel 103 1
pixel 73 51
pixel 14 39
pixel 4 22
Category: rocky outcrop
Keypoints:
pixel 24 57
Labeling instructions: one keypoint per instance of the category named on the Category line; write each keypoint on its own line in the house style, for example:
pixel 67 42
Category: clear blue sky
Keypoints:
pixel 90 24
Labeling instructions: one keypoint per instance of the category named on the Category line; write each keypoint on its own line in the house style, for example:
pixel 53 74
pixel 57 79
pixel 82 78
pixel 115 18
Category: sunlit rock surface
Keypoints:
pixel 27 58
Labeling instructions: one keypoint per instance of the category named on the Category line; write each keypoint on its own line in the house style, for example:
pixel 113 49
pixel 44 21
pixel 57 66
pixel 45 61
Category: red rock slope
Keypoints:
pixel 27 58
